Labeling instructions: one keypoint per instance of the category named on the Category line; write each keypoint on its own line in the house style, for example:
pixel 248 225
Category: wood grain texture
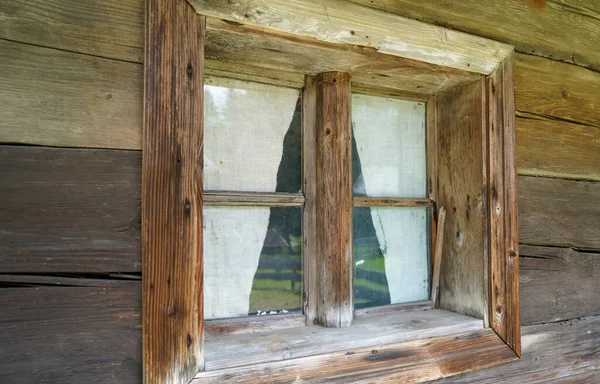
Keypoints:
pixel 366 201
pixel 57 98
pixel 245 349
pixel 565 352
pixel 106 28
pixel 563 91
pixel 460 191
pixel 59 335
pixel 335 261
pixel 559 212
pixel 172 193
pixel 559 30
pixel 412 361
pixel 279 56
pixel 437 259
pixel 558 284
pixel 310 287
pixel 69 210
pixel 556 148
pixel 264 199
pixel 341 22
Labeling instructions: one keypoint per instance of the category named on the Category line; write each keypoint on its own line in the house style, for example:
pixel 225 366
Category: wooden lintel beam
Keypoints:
pixel 172 193
pixel 366 201
pixel 255 199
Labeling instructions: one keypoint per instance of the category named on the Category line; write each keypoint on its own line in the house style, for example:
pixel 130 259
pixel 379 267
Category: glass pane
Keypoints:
pixel 390 255
pixel 389 153
pixel 252 261
pixel 249 129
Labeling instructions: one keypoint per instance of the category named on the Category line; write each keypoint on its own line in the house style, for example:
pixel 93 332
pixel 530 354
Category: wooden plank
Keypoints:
pixel 565 352
pixel 106 28
pixel 558 284
pixel 366 201
pixel 286 58
pixel 556 148
pixel 61 335
pixel 57 98
pixel 407 362
pixel 335 260
pixel 172 193
pixel 533 27
pixel 310 287
pixel 69 210
pixel 460 186
pixel 228 351
pixel 550 89
pixel 437 263
pixel 260 199
pixel 340 22
pixel 252 325
pixel 559 212
pixel 71 281
pixel 392 308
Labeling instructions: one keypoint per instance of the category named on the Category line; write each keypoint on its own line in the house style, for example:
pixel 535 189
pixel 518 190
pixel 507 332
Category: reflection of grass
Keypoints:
pixel 374 264
pixel 371 285
pixel 275 295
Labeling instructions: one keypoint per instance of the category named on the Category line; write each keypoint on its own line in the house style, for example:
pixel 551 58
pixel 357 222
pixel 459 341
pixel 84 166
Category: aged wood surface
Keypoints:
pixel 172 193
pixel 558 284
pixel 279 56
pixel 60 335
pixel 459 127
pixel 310 287
pixel 392 308
pixel 57 98
pixel 274 199
pixel 411 361
pixel 337 21
pixel 366 201
pixel 559 212
pixel 226 351
pixel 565 352
pixel 106 28
pixel 559 30
pixel 252 325
pixel 437 258
pixel 69 210
pixel 335 261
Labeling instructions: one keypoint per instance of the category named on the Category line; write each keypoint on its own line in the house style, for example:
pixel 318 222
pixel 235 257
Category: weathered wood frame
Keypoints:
pixel 172 170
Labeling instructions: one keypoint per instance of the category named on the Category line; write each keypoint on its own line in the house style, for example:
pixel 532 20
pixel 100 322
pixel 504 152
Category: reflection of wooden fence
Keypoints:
pixel 285 268
pixel 374 276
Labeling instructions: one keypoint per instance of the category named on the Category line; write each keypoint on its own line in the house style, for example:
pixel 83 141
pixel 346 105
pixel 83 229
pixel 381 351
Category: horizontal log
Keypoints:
pixel 256 199
pixel 107 28
pixel 365 201
pixel 559 30
pixel 58 98
pixel 556 148
pixel 558 284
pixel 69 210
pixel 59 335
pixel 565 352
pixel 559 212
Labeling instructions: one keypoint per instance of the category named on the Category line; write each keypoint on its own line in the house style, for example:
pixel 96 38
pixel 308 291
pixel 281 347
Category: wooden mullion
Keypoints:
pixel 367 201
pixel 432 171
pixel 172 165
pixel 257 199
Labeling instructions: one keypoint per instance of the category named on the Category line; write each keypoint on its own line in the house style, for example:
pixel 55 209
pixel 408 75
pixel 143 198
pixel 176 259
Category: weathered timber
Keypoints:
pixel 335 261
pixel 98 280
pixel 366 201
pixel 252 325
pixel 59 335
pixel 559 212
pixel 558 284
pixel 437 259
pixel 278 56
pixel 57 98
pixel 406 362
pixel 460 186
pixel 112 29
pixel 536 30
pixel 563 91
pixel 228 351
pixel 268 199
pixel 565 352
pixel 310 287
pixel 337 21
pixel 172 193
pixel 392 308
pixel 556 148
pixel 69 210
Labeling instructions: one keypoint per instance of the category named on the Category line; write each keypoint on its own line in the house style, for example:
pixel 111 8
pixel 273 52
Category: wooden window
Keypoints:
pixel 328 49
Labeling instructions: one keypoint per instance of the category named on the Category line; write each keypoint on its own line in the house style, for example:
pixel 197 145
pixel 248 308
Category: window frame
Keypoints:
pixel 172 197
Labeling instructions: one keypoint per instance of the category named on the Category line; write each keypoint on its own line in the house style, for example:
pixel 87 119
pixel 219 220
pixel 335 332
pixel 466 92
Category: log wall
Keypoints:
pixel 71 79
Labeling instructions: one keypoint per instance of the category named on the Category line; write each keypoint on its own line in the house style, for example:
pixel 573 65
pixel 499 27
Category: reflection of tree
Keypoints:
pixel 277 280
